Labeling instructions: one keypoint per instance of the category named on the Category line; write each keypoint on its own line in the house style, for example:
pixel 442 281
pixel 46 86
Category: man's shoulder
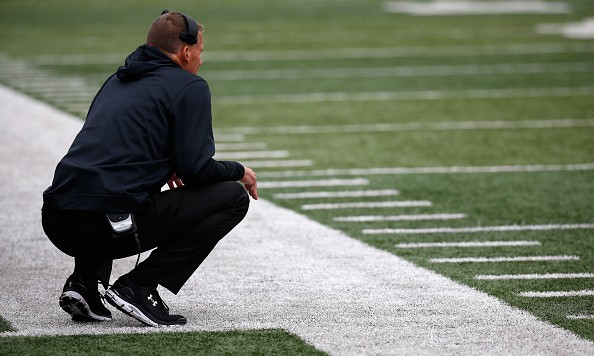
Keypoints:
pixel 181 75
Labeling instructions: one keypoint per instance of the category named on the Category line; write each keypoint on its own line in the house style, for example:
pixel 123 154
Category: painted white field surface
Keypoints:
pixel 465 7
pixel 582 30
pixel 276 270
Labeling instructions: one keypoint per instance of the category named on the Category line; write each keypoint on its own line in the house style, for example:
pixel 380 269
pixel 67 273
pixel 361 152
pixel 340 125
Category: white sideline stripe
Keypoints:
pixel 580 316
pixel 504 259
pixel 468 244
pixel 278 163
pixel 503 228
pixel 411 217
pixel 379 204
pixel 465 7
pixel 555 294
pixel 241 146
pixel 406 95
pixel 493 277
pixel 432 170
pixel 314 183
pixel 340 194
pixel 404 71
pixel 251 154
pixel 416 126
pixel 342 53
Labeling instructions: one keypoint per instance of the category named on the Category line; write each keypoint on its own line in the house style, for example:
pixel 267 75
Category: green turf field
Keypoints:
pixel 343 90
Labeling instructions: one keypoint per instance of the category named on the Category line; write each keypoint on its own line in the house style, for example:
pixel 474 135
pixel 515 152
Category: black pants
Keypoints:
pixel 183 224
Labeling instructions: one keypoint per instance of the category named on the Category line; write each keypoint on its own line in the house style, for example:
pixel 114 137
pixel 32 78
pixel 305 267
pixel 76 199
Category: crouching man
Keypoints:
pixel 149 125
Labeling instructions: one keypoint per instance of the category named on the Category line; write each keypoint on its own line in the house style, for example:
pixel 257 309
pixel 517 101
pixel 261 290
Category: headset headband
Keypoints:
pixel 190 34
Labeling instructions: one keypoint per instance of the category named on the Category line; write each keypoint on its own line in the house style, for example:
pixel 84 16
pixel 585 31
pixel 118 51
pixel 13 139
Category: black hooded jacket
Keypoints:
pixel 149 120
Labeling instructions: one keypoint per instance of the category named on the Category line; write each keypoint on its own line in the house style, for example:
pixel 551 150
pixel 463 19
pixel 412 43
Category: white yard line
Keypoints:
pixel 241 146
pixel 241 155
pixel 414 126
pixel 558 294
pixel 465 7
pixel 313 183
pixel 401 71
pixel 338 194
pixel 278 269
pixel 468 244
pixel 580 316
pixel 222 137
pixel 496 277
pixel 432 170
pixel 341 53
pixel 404 217
pixel 504 259
pixel 474 229
pixel 367 205
pixel 278 163
pixel 421 95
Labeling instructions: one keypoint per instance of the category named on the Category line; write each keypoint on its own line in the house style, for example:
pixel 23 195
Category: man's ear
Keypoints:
pixel 186 53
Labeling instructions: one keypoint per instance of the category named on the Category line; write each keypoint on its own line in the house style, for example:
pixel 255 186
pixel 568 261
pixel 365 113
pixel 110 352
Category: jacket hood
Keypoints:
pixel 144 59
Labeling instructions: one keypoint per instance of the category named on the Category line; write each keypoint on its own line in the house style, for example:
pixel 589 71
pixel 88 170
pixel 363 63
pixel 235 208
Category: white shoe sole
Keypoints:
pixel 74 304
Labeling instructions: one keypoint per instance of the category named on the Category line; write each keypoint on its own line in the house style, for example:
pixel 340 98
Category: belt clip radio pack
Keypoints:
pixel 122 224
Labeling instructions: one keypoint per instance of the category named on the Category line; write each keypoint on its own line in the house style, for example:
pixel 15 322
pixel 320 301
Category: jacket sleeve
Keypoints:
pixel 192 141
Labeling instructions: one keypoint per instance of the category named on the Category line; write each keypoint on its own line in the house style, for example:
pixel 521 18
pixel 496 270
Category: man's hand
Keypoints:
pixel 175 182
pixel 249 181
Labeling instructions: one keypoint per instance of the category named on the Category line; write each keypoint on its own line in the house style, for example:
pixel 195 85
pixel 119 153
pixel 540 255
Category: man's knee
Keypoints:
pixel 241 199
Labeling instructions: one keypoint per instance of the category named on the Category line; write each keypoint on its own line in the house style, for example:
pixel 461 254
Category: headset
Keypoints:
pixel 190 34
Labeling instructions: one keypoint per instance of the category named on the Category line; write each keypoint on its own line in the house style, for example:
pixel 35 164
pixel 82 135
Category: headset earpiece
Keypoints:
pixel 190 34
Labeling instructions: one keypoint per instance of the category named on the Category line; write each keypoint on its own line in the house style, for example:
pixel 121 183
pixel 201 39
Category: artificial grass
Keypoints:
pixel 253 342
pixel 5 325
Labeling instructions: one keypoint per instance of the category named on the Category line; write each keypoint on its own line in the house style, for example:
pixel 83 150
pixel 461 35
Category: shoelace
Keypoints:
pixel 102 298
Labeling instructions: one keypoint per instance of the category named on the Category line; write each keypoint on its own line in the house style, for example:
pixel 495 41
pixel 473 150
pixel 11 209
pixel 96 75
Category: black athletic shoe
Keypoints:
pixel 142 303
pixel 83 302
